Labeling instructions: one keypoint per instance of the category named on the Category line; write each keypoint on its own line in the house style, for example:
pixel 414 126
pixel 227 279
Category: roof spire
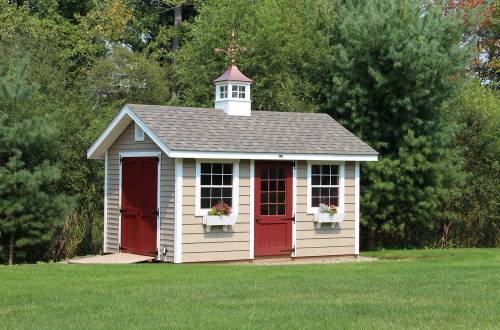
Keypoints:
pixel 232 49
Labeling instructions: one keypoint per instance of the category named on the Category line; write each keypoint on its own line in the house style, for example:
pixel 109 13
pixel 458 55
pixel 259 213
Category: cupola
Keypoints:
pixel 232 88
pixel 232 92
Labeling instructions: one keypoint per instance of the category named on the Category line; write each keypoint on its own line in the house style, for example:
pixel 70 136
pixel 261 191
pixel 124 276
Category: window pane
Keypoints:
pixel 217 180
pixel 334 180
pixel 205 179
pixel 216 192
pixel 264 209
pixel 206 168
pixel 325 180
pixel 263 197
pixel 335 169
pixel 272 198
pixel 227 180
pixel 315 192
pixel 281 185
pixel 272 186
pixel 241 88
pixel 205 203
pixel 227 192
pixel 272 209
pixel 281 209
pixel 263 185
pixel 235 95
pixel 205 192
pixel 217 168
pixel 315 179
pixel 325 169
pixel 241 96
pixel 281 197
pixel 281 173
pixel 228 201
pixel 315 169
pixel 334 200
pixel 325 192
pixel 334 192
pixel 235 88
pixel 228 168
pixel 315 202
pixel 272 173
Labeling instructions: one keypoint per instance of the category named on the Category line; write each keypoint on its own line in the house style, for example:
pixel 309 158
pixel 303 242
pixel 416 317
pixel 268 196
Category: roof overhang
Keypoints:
pixel 270 156
pixel 115 129
pixel 126 116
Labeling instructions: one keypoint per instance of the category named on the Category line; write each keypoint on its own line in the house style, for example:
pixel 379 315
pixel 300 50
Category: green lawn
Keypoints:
pixel 405 289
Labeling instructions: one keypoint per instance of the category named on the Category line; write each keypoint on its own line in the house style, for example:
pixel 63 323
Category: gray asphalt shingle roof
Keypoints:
pixel 209 130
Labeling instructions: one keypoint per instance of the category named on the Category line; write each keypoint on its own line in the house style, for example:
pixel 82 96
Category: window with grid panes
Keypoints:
pixel 223 92
pixel 238 92
pixel 273 191
pixel 324 185
pixel 216 184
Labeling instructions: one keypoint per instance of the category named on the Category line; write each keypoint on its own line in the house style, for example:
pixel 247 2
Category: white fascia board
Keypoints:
pixel 270 156
pixel 124 114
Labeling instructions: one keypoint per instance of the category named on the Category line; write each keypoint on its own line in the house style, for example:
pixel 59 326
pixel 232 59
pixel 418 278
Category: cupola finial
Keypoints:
pixel 232 49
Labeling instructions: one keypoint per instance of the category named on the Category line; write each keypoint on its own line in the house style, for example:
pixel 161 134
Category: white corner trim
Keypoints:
pixel 105 238
pixel 158 207
pixel 252 208
pixel 294 209
pixel 356 207
pixel 236 185
pixel 119 203
pixel 178 212
pixel 312 210
pixel 269 156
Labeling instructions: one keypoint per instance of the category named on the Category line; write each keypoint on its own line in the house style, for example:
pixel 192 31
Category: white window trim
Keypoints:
pixel 158 193
pixel 312 210
pixel 236 183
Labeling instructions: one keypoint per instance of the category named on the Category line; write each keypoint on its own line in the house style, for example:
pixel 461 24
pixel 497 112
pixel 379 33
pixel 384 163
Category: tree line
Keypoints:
pixel 417 80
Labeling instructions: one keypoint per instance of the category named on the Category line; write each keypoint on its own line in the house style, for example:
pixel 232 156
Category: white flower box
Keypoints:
pixel 334 219
pixel 218 220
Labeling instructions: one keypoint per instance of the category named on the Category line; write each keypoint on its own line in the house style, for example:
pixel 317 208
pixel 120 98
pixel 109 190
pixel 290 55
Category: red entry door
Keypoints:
pixel 273 208
pixel 139 208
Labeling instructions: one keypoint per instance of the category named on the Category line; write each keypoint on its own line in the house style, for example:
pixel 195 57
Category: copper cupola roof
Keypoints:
pixel 233 74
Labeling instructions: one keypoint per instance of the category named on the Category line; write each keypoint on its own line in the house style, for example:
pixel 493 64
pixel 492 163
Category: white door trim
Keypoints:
pixel 252 208
pixel 129 154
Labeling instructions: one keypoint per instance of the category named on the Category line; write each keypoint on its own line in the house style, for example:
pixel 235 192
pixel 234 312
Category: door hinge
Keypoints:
pixel 157 212
pixel 293 249
pixel 157 159
pixel 293 218
pixel 294 162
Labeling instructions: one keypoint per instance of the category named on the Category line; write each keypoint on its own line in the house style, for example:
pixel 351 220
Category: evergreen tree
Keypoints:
pixel 393 65
pixel 29 201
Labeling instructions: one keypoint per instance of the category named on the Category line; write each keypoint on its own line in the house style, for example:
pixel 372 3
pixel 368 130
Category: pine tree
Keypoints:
pixel 29 201
pixel 393 65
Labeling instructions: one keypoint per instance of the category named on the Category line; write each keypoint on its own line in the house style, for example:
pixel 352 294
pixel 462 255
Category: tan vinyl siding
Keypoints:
pixel 200 246
pixel 127 143
pixel 312 241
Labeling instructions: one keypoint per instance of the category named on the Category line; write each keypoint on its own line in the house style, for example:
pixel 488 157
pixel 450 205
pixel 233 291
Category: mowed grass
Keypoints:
pixel 435 289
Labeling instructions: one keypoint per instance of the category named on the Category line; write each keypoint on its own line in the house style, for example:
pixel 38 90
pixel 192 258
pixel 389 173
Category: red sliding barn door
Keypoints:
pixel 273 208
pixel 139 207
